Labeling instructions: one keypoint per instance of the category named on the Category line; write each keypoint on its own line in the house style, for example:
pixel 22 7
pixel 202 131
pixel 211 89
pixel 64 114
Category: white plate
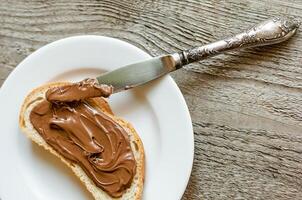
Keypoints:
pixel 157 111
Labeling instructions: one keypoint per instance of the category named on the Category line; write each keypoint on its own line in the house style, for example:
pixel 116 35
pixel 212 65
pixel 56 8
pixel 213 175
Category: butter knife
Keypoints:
pixel 272 31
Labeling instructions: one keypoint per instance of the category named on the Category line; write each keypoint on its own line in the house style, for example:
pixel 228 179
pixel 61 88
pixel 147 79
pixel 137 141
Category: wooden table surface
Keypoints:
pixel 246 106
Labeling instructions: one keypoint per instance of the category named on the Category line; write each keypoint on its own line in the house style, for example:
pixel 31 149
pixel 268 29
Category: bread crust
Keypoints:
pixel 136 189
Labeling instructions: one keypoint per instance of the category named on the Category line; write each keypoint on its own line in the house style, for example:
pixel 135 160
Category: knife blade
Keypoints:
pixel 139 73
pixel 271 31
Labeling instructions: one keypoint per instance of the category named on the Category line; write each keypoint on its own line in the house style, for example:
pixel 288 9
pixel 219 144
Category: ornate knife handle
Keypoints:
pixel 271 31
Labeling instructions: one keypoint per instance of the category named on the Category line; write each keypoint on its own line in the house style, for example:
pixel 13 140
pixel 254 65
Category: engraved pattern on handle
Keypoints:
pixel 271 31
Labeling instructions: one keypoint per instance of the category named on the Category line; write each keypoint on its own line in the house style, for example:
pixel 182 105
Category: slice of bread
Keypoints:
pixel 134 192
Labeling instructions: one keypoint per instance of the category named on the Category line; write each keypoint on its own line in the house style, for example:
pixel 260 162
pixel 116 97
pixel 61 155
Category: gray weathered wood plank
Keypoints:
pixel 246 106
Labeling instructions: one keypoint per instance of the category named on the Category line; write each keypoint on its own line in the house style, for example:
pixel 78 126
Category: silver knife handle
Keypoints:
pixel 272 31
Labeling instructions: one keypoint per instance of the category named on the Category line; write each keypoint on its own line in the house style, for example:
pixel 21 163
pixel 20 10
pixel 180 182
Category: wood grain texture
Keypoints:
pixel 246 106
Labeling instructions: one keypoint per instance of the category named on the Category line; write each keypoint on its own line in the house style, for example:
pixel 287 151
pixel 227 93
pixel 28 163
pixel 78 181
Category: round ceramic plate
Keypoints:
pixel 157 111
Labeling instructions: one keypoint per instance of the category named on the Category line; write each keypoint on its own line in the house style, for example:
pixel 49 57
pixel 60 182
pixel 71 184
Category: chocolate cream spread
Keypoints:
pixel 85 89
pixel 86 136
